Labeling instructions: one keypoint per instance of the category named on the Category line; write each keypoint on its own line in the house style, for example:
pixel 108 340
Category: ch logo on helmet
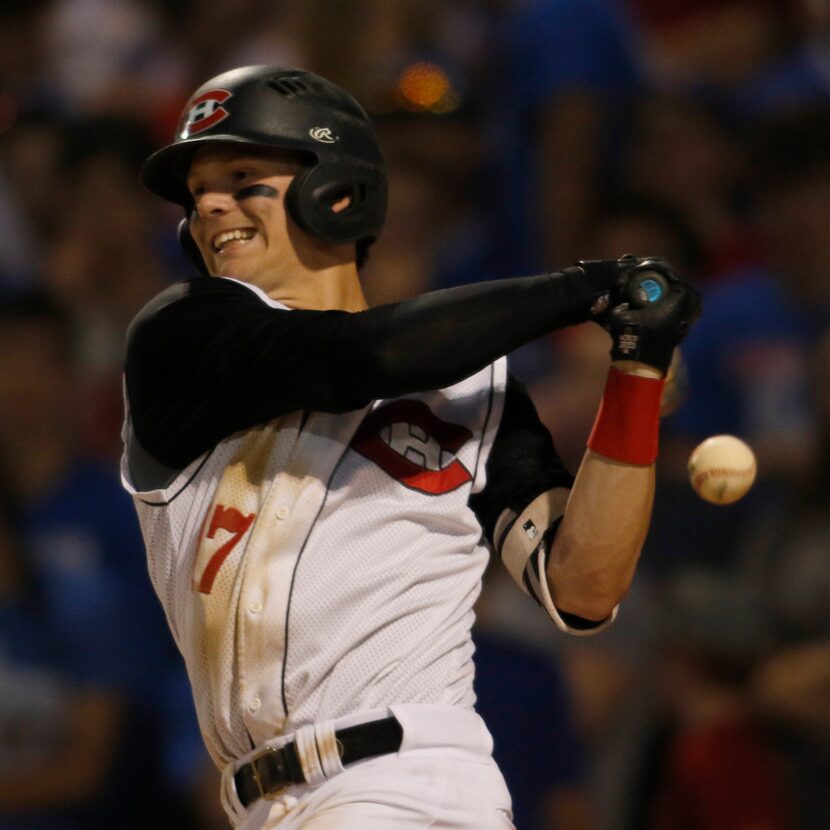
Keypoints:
pixel 323 134
pixel 204 112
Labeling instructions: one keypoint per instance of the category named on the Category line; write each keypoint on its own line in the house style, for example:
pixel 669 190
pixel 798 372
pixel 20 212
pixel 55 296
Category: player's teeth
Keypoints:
pixel 223 238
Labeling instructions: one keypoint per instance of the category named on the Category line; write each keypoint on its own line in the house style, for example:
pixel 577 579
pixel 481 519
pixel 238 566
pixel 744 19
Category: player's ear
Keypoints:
pixel 191 248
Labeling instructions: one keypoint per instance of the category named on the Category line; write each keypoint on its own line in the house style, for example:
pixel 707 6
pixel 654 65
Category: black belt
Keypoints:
pixel 274 769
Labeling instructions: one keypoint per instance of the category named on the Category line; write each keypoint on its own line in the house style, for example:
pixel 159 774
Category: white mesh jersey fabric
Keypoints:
pixel 174 522
pixel 352 585
pixel 381 608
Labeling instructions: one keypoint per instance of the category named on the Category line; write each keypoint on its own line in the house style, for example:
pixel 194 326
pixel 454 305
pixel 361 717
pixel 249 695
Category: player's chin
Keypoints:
pixel 237 264
pixel 235 270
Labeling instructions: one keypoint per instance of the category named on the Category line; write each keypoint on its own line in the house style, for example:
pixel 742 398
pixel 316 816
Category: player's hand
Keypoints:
pixel 609 275
pixel 648 331
pixel 617 278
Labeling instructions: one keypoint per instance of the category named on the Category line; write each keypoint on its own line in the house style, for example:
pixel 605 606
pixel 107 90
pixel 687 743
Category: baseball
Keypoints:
pixel 722 469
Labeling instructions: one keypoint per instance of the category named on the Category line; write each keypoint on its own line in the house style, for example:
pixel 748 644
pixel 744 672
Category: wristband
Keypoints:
pixel 628 421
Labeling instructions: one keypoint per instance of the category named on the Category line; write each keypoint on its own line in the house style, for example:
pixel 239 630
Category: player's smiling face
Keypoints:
pixel 239 220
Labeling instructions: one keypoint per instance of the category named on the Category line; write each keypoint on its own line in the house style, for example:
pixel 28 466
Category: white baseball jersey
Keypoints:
pixel 324 564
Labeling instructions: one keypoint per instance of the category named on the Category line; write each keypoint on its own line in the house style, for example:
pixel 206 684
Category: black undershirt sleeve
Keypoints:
pixel 523 461
pixel 208 357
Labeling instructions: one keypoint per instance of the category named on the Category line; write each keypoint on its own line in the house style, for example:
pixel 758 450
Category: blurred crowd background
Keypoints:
pixel 520 135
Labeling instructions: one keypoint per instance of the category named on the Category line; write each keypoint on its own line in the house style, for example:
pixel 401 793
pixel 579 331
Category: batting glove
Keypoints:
pixel 650 312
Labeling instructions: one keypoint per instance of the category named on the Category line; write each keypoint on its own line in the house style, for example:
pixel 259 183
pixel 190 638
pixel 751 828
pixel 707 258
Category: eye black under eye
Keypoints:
pixel 257 190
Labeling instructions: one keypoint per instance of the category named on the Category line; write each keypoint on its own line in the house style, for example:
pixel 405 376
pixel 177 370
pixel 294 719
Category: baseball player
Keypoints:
pixel 318 483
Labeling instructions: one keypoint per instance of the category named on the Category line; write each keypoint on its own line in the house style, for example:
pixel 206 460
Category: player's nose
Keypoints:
pixel 214 203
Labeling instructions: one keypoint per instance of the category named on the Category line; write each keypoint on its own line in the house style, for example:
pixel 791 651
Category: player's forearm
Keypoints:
pixel 598 543
pixel 439 338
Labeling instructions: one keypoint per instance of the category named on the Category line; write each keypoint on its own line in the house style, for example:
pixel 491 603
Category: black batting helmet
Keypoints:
pixel 273 106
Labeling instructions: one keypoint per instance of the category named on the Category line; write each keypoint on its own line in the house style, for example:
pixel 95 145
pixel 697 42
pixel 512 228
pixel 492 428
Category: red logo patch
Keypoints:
pixel 407 441
pixel 204 112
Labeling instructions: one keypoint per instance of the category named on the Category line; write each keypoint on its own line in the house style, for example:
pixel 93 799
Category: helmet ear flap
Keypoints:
pixel 191 248
pixel 314 192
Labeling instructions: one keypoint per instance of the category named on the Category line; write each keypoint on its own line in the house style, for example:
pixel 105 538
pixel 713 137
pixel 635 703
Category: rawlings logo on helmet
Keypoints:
pixel 204 112
pixel 323 134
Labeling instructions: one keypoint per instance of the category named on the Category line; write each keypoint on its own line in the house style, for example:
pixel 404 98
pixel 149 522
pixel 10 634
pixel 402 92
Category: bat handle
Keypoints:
pixel 645 288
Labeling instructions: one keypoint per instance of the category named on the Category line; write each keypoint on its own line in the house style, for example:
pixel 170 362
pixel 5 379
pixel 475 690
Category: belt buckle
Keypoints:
pixel 267 795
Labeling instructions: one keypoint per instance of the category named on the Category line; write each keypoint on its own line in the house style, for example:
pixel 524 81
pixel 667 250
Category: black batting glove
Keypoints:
pixel 654 312
pixel 607 278
pixel 614 280
pixel 586 288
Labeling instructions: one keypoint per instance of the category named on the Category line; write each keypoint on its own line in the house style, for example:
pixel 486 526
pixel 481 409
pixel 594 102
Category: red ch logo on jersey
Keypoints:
pixel 407 441
pixel 204 112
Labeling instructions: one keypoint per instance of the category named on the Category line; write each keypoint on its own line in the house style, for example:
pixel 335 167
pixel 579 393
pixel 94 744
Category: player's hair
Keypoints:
pixel 289 109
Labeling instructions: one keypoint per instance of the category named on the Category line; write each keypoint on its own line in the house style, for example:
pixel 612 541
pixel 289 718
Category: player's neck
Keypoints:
pixel 336 287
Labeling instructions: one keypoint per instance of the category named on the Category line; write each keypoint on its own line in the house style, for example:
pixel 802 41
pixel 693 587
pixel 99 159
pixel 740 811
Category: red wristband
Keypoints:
pixel 628 421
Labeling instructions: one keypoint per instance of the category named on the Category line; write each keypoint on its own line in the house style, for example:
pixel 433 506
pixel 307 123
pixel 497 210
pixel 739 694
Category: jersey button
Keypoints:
pixel 254 704
pixel 255 607
pixel 283 512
